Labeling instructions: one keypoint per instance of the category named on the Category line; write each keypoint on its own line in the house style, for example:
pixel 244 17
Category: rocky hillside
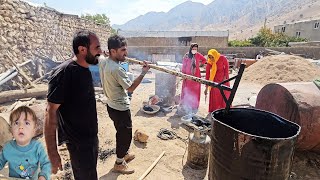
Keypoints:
pixel 242 18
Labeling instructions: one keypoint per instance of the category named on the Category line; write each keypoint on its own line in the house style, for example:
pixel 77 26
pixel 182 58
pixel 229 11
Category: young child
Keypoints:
pixel 25 154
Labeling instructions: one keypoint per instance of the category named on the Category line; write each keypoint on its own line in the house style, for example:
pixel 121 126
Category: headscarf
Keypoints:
pixel 192 57
pixel 213 63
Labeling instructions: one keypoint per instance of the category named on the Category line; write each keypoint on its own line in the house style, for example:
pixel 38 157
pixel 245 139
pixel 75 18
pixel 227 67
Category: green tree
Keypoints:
pixel 240 43
pixel 98 18
pixel 113 31
pixel 263 38
pixel 266 38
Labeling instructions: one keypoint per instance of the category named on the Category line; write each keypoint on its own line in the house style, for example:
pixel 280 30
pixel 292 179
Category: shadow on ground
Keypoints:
pixel 191 174
pixel 109 176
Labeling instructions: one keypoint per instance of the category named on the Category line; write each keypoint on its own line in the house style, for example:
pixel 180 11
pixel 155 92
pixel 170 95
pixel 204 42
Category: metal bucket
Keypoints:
pixel 251 144
pixel 165 87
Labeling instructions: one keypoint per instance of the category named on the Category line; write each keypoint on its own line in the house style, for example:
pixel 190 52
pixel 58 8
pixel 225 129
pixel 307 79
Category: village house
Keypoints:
pixel 309 29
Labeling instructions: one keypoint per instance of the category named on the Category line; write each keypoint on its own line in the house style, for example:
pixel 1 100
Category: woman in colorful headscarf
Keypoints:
pixel 191 90
pixel 217 70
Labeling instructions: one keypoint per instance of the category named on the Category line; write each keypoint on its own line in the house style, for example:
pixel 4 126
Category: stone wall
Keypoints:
pixel 174 41
pixel 25 30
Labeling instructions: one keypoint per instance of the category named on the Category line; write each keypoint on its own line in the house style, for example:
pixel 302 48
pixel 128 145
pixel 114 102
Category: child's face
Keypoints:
pixel 23 129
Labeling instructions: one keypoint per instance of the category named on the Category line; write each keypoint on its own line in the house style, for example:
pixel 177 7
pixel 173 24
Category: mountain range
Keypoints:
pixel 243 18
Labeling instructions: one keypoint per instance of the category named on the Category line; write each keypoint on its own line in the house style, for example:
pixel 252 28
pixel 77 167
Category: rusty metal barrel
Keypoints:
pixel 298 102
pixel 251 144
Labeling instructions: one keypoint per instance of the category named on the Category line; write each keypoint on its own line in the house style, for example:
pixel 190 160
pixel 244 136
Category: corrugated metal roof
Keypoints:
pixel 129 34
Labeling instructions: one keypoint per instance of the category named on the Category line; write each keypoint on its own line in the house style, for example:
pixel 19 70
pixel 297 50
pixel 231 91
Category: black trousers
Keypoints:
pixel 84 160
pixel 123 124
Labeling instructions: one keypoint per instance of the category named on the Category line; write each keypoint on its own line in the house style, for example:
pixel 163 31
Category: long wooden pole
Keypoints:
pixel 151 167
pixel 182 75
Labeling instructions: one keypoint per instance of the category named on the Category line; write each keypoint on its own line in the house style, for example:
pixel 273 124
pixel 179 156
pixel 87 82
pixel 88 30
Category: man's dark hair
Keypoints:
pixel 81 38
pixel 116 42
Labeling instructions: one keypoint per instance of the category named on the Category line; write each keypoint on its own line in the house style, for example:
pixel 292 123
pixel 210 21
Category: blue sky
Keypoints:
pixel 119 11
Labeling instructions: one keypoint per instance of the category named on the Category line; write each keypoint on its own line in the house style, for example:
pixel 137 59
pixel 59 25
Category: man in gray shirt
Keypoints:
pixel 116 85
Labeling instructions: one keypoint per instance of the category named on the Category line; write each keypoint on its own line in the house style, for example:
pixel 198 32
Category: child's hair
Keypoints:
pixel 15 115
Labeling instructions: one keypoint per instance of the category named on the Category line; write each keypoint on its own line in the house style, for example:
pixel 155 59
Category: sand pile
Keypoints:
pixel 281 68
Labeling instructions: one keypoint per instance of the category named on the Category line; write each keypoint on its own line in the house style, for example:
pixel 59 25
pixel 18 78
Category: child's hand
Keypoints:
pixel 41 178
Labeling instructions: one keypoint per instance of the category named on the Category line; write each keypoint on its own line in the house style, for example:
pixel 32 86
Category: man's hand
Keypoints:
pixel 55 162
pixel 145 67
pixel 138 80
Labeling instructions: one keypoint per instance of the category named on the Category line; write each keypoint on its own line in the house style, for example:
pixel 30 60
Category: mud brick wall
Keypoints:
pixel 174 41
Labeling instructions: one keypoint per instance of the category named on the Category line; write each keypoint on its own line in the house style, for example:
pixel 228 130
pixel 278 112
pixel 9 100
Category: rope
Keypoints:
pixel 166 134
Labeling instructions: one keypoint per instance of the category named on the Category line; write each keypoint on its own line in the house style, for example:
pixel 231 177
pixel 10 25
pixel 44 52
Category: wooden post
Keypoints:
pixel 9 55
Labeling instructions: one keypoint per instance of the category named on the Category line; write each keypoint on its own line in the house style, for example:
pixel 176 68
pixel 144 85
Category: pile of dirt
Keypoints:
pixel 280 69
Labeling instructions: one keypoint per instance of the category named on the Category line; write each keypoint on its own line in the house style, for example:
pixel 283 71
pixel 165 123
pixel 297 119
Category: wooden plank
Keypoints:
pixel 152 166
pixel 10 57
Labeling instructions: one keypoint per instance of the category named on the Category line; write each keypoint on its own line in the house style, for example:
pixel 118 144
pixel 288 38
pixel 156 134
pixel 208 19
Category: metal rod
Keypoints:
pixel 234 88
pixel 10 76
pixel 7 73
pixel 230 79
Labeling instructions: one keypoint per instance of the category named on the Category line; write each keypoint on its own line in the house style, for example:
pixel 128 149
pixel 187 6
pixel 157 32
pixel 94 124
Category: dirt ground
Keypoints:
pixel 172 164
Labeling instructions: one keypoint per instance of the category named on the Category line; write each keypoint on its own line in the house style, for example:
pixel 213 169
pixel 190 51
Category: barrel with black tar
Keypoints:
pixel 251 144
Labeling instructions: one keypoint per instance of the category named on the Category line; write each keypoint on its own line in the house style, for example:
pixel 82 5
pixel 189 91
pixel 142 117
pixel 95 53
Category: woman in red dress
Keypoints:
pixel 191 90
pixel 217 70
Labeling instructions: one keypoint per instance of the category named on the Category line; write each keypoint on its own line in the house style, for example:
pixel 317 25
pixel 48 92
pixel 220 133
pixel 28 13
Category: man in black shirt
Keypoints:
pixel 72 110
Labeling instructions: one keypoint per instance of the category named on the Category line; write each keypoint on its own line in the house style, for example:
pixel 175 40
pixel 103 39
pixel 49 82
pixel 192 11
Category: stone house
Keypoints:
pixel 309 29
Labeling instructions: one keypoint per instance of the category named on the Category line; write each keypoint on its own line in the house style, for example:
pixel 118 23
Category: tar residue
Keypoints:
pixel 104 154
pixel 257 123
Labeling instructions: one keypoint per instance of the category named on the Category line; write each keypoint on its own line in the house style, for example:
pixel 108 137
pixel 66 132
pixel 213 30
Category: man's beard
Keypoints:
pixel 90 59
pixel 121 59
